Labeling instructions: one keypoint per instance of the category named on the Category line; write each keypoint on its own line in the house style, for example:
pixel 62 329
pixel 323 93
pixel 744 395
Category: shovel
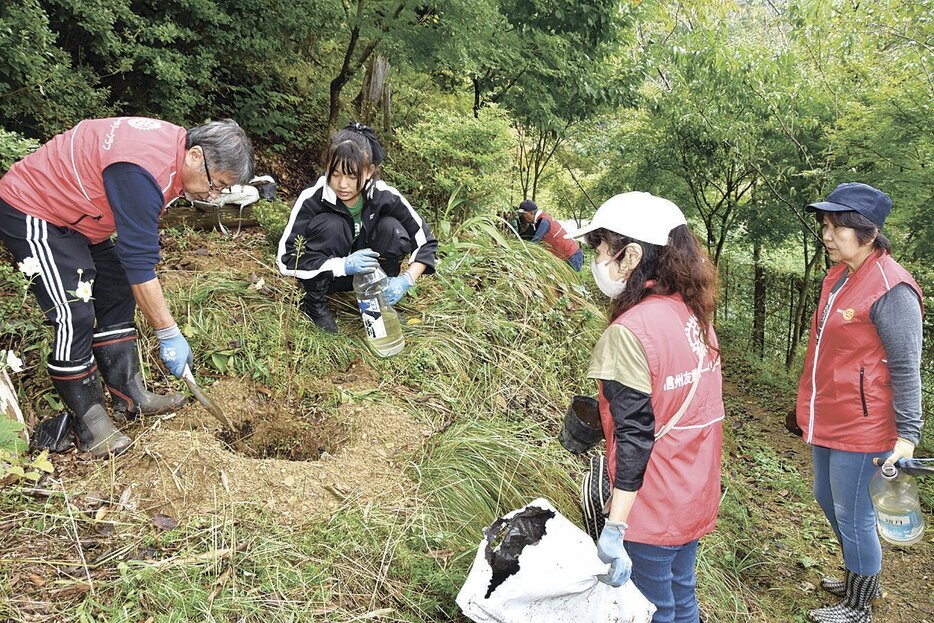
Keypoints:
pixel 205 401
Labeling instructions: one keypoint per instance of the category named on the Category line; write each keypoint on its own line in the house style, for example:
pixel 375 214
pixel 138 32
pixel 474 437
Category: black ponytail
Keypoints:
pixel 377 152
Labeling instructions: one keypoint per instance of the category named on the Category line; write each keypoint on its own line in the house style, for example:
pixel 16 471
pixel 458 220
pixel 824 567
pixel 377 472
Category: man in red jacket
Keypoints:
pixel 543 228
pixel 59 208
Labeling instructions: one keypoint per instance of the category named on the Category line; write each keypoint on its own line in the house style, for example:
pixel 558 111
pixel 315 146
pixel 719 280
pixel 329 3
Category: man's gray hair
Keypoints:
pixel 226 148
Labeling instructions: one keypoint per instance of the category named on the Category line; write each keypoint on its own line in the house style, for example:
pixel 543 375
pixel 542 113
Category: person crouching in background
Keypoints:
pixel 350 222
pixel 544 229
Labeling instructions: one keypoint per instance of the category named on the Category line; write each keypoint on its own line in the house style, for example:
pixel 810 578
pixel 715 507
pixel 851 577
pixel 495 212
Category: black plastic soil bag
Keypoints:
pixel 54 433
pixel 506 538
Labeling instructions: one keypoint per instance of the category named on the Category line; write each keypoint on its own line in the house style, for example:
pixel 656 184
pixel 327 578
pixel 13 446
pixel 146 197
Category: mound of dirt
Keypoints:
pixel 286 455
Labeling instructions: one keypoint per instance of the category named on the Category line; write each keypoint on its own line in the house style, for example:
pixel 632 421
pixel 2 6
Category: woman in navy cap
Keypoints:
pixel 859 397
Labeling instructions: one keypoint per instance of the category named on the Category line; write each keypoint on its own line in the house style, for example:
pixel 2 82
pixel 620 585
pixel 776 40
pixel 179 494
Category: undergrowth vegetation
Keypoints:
pixel 496 344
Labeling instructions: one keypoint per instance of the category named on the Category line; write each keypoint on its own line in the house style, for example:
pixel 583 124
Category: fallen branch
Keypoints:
pixel 9 403
pixel 197 559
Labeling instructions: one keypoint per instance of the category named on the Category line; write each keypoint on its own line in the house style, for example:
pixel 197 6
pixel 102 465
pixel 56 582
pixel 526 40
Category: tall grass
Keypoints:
pixel 480 468
pixel 496 344
pixel 502 326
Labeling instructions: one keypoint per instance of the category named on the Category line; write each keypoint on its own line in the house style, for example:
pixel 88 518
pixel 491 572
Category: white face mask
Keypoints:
pixel 601 274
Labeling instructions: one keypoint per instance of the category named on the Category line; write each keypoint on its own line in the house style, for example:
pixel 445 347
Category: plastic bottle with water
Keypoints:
pixel 898 511
pixel 380 320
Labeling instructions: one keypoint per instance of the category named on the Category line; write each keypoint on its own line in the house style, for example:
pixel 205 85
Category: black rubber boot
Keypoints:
pixel 856 606
pixel 116 354
pixel 315 303
pixel 837 588
pixel 80 389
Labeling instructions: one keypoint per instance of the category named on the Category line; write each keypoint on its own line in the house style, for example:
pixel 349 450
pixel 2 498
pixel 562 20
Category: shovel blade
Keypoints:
pixel 209 405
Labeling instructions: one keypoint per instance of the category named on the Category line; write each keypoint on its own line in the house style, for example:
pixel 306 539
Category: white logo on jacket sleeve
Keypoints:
pixel 144 124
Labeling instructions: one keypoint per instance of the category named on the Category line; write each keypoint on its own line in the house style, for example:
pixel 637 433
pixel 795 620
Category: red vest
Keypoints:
pixel 845 392
pixel 62 182
pixel 555 239
pixel 680 492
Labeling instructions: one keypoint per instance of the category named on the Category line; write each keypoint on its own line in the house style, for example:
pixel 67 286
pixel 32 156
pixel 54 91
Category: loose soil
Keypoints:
pixel 287 456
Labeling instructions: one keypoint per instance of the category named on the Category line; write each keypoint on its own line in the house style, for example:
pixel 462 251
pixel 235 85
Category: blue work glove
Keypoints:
pixel 362 261
pixel 397 287
pixel 610 550
pixel 174 350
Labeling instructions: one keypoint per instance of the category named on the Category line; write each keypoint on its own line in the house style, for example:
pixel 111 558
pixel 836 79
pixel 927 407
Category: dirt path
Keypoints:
pixel 907 573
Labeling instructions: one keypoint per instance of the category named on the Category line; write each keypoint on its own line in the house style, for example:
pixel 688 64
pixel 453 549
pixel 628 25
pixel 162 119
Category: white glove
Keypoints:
pixel 904 449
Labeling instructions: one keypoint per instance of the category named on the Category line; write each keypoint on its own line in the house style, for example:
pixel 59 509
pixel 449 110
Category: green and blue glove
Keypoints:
pixel 610 549
pixel 174 350
pixel 362 261
pixel 397 287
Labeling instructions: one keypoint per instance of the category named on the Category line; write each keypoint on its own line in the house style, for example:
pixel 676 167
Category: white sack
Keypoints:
pixel 556 583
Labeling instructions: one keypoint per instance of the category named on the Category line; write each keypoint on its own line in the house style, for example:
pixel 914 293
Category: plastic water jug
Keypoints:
pixel 380 320
pixel 898 512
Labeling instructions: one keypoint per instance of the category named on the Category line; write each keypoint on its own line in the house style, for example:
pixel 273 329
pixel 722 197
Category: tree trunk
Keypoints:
pixel 758 301
pixel 387 107
pixel 342 77
pixel 802 308
pixel 374 93
pixel 230 216
pixel 541 154
pixel 350 65
pixel 724 306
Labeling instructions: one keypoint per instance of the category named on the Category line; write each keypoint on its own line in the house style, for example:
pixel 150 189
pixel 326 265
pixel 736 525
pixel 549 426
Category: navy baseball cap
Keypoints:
pixel 855 197
pixel 528 206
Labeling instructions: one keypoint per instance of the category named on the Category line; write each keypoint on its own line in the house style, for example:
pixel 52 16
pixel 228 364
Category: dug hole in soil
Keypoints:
pixel 285 454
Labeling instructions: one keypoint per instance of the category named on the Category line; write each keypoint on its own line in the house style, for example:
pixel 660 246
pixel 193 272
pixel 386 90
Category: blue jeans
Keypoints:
pixel 665 575
pixel 577 260
pixel 841 486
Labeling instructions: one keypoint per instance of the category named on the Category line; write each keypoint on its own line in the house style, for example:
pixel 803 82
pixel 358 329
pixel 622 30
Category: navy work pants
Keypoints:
pixel 330 235
pixel 60 254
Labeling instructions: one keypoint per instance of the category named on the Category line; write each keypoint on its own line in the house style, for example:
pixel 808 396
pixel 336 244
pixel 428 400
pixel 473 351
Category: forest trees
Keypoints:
pixel 41 91
pixel 749 112
pixel 742 112
pixel 551 64
pixel 182 61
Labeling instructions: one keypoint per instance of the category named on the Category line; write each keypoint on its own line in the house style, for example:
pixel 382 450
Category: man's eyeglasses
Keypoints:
pixel 207 171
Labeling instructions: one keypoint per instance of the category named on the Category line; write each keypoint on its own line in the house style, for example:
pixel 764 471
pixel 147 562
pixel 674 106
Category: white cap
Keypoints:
pixel 637 215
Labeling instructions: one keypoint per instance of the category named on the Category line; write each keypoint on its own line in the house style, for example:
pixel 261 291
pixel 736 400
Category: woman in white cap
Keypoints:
pixel 658 369
pixel 859 398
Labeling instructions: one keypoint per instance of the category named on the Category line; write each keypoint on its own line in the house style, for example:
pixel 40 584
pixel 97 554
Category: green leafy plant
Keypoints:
pixel 13 147
pixel 272 216
pixel 14 465
pixel 10 439
pixel 453 164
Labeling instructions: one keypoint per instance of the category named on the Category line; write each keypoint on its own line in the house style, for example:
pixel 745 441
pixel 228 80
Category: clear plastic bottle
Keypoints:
pixel 380 320
pixel 898 512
